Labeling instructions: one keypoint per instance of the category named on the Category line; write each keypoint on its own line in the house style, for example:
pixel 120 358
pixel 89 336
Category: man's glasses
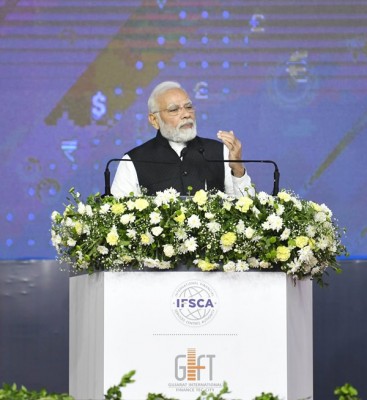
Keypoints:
pixel 175 110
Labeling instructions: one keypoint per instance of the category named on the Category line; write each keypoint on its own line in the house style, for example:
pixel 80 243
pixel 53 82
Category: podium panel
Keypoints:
pixel 184 332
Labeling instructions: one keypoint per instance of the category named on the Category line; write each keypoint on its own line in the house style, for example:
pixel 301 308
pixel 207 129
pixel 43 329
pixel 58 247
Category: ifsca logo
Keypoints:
pixel 191 367
pixel 194 303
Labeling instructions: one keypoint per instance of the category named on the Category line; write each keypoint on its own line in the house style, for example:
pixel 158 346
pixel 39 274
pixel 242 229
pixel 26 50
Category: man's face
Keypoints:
pixel 180 127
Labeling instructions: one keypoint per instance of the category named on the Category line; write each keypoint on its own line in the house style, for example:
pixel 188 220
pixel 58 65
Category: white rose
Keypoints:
pixel 249 232
pixel 157 230
pixel 168 250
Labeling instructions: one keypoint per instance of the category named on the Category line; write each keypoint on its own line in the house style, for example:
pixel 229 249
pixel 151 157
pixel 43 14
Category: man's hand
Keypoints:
pixel 235 151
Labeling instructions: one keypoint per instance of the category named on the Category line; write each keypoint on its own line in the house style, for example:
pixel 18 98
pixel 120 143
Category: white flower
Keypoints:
pixel 240 228
pixel 285 234
pixel 310 231
pixel 209 215
pixel 294 266
pixel 327 225
pixel 86 229
pixel 280 209
pixel 227 205
pixel 320 216
pixel 194 221
pixel 104 209
pixel 263 197
pixel 253 262
pixel 264 264
pixel 88 210
pixel 157 230
pixel 102 250
pixel 242 266
pixel 81 208
pixel 225 248
pixel 155 263
pixel 181 234
pixel 84 265
pixel 190 244
pixel 54 215
pixel 155 218
pixel 297 203
pixel 131 233
pixel 305 254
pixel 229 267
pixel 71 242
pixel 273 222
pixel 326 210
pixel 55 239
pixel 323 243
pixel 166 197
pixel 130 205
pixel 213 227
pixel 249 232
pixel 127 218
pixel 168 250
pixel 69 222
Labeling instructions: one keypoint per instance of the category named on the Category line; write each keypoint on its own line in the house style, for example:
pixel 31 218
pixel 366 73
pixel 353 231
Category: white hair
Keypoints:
pixel 158 90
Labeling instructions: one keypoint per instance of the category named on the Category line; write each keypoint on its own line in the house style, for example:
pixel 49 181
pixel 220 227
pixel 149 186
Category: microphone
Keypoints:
pixel 276 169
pixel 107 174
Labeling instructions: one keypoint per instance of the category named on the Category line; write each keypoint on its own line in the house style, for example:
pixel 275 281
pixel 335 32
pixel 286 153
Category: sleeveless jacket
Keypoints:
pixel 193 170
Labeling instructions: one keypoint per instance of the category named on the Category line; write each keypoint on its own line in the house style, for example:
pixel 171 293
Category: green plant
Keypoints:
pixel 12 392
pixel 266 396
pixel 346 392
pixel 160 396
pixel 114 392
pixel 212 396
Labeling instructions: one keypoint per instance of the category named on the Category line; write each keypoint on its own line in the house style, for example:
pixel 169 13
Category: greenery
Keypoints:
pixel 12 392
pixel 266 396
pixel 114 392
pixel 346 392
pixel 210 231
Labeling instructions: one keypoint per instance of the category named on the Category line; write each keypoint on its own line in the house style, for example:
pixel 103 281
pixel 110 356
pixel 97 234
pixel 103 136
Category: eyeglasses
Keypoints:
pixel 174 110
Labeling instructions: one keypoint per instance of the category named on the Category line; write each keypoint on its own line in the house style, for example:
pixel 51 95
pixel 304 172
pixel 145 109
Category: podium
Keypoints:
pixel 188 331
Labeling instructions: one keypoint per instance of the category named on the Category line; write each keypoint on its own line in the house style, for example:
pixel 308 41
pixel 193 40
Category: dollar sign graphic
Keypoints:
pixel 99 108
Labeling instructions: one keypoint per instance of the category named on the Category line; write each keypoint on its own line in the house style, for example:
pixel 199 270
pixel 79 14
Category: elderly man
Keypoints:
pixel 177 158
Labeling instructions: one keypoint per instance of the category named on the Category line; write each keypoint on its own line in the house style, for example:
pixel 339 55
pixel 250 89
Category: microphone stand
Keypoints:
pixel 107 174
pixel 276 169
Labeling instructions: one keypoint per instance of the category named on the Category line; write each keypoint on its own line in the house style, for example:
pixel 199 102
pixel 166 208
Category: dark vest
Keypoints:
pixel 192 171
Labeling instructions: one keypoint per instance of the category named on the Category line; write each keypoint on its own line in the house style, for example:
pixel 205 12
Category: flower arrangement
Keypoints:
pixel 210 231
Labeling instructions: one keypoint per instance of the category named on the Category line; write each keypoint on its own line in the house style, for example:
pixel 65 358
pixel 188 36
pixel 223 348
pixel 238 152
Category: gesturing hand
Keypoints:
pixel 235 151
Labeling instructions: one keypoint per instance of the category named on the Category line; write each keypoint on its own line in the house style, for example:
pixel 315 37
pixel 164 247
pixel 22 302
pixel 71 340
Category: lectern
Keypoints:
pixel 188 331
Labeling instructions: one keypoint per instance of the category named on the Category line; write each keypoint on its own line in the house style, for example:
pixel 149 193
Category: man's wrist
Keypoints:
pixel 238 172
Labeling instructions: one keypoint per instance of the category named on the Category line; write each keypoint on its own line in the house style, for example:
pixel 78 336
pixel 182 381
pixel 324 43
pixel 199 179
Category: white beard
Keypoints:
pixel 175 134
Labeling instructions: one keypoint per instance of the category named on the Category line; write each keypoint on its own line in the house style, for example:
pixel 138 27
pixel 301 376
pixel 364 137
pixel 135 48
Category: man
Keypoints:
pixel 177 157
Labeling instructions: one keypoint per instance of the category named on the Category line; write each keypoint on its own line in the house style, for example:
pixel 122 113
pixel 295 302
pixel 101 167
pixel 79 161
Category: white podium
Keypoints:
pixel 184 332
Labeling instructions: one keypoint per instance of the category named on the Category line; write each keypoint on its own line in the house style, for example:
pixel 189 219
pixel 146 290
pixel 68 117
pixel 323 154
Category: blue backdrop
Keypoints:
pixel 288 77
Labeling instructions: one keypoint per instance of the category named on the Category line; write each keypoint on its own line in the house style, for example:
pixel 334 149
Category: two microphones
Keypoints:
pixel 107 174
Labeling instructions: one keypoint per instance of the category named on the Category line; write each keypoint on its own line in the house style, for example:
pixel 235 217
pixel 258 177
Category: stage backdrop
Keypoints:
pixel 288 77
